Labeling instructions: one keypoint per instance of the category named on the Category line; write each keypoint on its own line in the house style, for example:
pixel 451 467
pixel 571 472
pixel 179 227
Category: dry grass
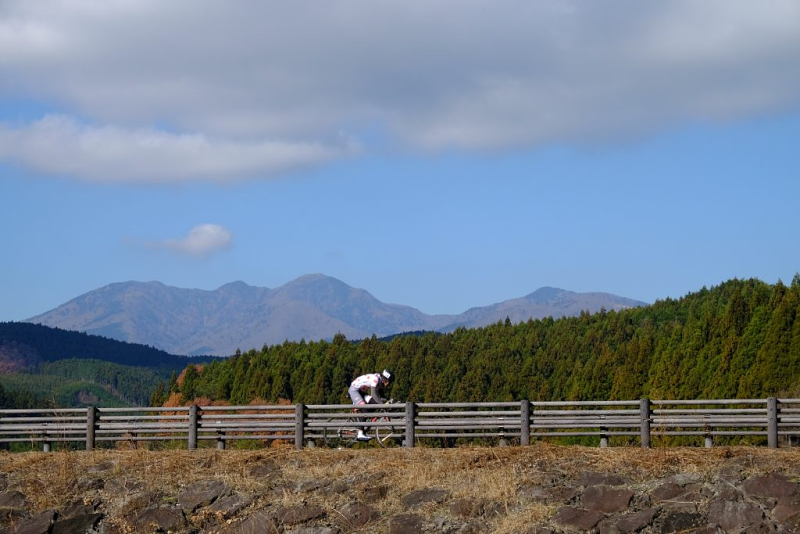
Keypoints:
pixel 51 480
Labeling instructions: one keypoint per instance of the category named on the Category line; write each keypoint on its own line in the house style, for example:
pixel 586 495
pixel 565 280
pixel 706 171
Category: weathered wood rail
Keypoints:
pixel 775 420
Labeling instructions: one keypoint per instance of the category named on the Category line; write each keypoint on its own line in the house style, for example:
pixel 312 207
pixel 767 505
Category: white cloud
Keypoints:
pixel 201 241
pixel 258 88
pixel 60 145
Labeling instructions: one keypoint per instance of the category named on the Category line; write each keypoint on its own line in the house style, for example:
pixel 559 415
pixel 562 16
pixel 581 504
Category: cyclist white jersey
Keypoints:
pixel 372 384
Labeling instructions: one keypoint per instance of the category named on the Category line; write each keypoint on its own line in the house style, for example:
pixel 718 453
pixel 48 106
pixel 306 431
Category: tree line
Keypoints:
pixel 740 339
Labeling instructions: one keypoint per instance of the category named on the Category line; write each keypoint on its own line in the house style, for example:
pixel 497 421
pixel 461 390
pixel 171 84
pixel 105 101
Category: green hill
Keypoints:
pixel 44 366
pixel 739 339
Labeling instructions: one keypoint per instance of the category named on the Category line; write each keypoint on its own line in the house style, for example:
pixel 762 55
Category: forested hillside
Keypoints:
pixel 739 339
pixel 43 366
pixel 37 343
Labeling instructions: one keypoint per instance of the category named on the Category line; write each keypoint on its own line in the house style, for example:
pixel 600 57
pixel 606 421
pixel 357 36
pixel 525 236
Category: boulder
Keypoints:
pixel 405 524
pixel 423 496
pixel 635 521
pixel 605 499
pixel 667 492
pixel 160 519
pixel 77 525
pixel 200 494
pixel 38 524
pixel 734 515
pixel 314 530
pixel 771 485
pixel 571 517
pixel 357 515
pixel 787 508
pixel 295 515
pixel 230 505
pixel 680 521
pixel 260 522
pixel 587 479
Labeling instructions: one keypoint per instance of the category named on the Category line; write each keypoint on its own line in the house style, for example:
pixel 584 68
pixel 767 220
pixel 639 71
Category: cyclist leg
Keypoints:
pixel 358 400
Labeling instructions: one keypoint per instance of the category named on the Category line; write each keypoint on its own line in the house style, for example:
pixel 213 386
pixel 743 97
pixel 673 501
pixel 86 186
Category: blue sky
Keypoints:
pixel 439 155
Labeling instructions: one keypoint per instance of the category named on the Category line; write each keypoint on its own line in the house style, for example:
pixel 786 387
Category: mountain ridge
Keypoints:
pixel 311 307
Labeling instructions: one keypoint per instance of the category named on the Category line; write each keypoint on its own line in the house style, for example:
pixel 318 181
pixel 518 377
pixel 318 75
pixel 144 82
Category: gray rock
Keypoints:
pixel 571 517
pixel 374 494
pixel 634 522
pixel 625 524
pixel 77 525
pixel 473 526
pixel 587 479
pixel 786 509
pixel 772 485
pixel 200 494
pixel 13 504
pixel 679 506
pixel 734 515
pixel 158 519
pixel 260 522
pixel 76 508
pixel 428 495
pixel 683 479
pixel 295 515
pixel 678 521
pixel 308 486
pixel 464 508
pixel 357 514
pixel 605 499
pixel 313 530
pixel 667 492
pixel 13 499
pixel 405 524
pixel 93 484
pixel 230 505
pixel 38 524
pixel 547 495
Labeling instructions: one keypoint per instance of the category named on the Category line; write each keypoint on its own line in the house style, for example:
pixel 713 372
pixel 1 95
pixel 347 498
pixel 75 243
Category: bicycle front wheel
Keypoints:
pixel 332 433
pixel 385 433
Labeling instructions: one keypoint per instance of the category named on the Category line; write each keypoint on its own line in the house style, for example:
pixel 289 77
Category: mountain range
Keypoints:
pixel 311 307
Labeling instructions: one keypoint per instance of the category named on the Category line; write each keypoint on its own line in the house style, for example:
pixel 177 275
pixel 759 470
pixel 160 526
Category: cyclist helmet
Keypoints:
pixel 387 375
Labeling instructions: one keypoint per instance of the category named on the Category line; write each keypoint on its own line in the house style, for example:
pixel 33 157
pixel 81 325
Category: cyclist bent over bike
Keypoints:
pixel 372 384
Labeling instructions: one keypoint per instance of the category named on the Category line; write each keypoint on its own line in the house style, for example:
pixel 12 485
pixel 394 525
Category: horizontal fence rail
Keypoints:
pixel 408 424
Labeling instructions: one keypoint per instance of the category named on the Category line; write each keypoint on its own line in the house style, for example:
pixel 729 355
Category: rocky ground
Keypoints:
pixel 537 489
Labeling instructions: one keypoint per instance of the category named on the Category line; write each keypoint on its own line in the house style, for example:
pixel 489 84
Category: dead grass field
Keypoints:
pixel 52 480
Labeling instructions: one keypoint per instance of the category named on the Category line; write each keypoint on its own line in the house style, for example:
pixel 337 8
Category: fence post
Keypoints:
pixel 644 412
pixel 603 437
pixel 525 422
pixel 299 425
pixel 772 422
pixel 91 424
pixel 411 415
pixel 192 427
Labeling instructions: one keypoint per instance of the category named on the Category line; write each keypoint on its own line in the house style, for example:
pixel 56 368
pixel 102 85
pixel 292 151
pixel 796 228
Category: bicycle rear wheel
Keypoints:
pixel 385 433
pixel 339 433
pixel 332 433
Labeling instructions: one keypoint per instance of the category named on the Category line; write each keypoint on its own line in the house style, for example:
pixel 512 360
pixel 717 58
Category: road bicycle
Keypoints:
pixel 343 431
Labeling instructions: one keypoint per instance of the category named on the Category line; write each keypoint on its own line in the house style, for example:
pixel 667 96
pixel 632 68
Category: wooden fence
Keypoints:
pixel 774 421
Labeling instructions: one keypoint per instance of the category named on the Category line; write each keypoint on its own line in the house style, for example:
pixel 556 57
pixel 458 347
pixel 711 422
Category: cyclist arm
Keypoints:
pixel 375 395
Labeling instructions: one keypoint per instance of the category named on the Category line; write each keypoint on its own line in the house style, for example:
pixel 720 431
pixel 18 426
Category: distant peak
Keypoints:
pixel 238 284
pixel 312 277
pixel 545 294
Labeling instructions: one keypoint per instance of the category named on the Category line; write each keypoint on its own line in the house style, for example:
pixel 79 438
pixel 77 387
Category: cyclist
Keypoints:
pixel 371 385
